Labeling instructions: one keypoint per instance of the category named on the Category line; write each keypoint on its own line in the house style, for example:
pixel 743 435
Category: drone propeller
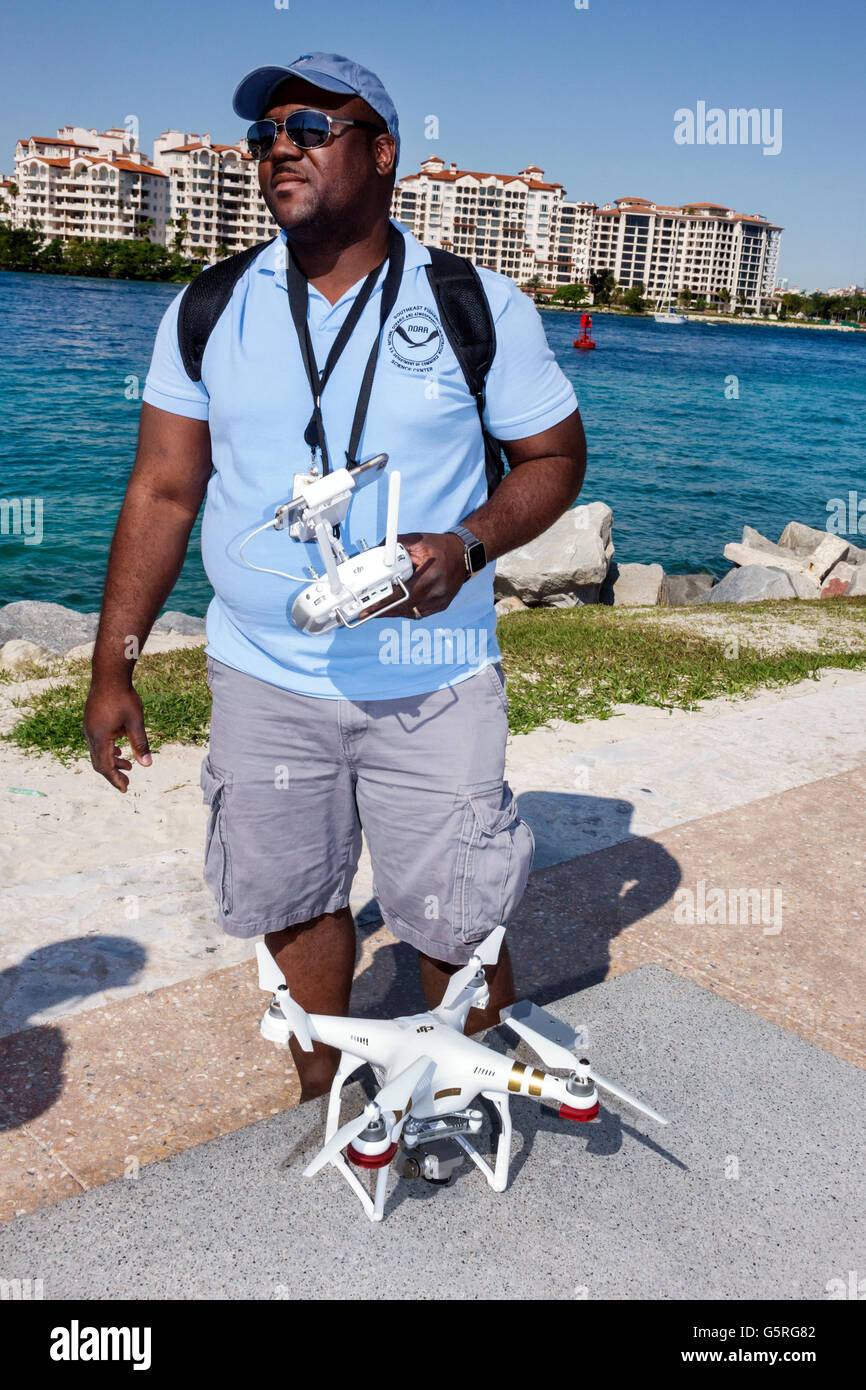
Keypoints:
pixel 546 1035
pixel 553 1040
pixel 273 980
pixel 396 1095
pixel 485 953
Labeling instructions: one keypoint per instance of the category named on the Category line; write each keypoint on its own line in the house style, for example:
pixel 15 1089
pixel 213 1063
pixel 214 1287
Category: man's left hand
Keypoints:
pixel 439 571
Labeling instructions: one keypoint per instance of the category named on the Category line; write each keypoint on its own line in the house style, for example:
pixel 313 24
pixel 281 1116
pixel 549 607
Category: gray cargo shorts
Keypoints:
pixel 292 779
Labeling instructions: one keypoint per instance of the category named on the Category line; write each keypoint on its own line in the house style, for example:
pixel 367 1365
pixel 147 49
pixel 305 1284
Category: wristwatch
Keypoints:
pixel 475 554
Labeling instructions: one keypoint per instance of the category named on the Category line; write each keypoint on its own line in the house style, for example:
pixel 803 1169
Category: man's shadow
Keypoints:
pixel 31 1058
pixel 578 899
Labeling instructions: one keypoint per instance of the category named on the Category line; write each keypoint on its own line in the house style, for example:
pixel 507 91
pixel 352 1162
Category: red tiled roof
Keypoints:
pixel 126 164
pixel 132 167
pixel 449 175
pixel 199 145
pixel 55 140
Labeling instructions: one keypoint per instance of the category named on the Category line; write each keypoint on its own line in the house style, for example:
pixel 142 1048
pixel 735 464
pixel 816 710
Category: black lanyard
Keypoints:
pixel 298 289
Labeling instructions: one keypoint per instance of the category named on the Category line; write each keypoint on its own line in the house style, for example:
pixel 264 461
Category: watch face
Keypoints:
pixel 477 556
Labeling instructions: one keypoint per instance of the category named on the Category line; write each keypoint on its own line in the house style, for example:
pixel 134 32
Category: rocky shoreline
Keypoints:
pixel 573 563
pixel 32 632
pixel 570 565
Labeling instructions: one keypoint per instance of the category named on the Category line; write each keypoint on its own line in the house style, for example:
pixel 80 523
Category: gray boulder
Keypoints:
pixel 633 585
pixel 179 622
pixel 563 567
pixel 512 604
pixel 50 625
pixel 18 653
pixel 858 583
pixel 804 540
pixel 682 589
pixel 753 538
pixel 750 584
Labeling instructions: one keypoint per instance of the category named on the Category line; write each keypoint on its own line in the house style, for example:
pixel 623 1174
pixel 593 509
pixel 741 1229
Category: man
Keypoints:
pixel 313 737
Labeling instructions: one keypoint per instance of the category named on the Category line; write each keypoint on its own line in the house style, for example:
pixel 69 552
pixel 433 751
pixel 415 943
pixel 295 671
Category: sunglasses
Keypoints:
pixel 309 130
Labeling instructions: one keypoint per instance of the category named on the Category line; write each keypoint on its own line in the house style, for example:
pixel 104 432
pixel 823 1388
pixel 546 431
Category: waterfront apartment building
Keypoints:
pixel 719 255
pixel 199 198
pixel 526 228
pixel 83 183
pixel 215 204
pixel 517 224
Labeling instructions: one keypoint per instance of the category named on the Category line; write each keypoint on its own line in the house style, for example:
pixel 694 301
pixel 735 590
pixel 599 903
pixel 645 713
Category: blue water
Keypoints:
pixel 682 466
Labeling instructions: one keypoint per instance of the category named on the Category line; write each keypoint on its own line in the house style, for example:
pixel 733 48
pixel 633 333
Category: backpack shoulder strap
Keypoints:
pixel 205 299
pixel 468 322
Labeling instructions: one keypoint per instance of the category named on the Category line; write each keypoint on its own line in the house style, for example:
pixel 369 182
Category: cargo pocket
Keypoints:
pixel 494 858
pixel 217 861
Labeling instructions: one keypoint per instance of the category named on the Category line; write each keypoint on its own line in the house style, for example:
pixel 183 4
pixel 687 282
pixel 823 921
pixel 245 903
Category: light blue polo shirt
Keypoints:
pixel 255 395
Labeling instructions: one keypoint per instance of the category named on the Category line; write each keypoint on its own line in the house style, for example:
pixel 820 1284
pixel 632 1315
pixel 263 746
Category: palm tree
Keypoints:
pixel 180 234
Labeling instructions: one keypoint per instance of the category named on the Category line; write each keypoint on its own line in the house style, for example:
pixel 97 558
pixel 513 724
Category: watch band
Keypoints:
pixel 475 554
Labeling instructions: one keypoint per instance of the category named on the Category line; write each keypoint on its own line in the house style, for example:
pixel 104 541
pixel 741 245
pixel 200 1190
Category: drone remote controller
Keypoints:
pixel 355 582
pixel 350 583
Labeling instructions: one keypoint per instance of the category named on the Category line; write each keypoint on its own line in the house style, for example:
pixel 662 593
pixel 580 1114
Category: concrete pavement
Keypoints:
pixel 755 1190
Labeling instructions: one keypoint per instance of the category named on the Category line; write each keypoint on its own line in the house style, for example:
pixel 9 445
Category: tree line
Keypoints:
pixel 25 248
pixel 606 292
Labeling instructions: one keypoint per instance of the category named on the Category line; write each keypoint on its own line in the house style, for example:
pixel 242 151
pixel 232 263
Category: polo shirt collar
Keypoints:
pixel 273 262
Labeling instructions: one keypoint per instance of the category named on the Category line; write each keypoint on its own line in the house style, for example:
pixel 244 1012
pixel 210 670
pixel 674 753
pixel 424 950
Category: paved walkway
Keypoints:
pixel 722 844
pixel 754 1190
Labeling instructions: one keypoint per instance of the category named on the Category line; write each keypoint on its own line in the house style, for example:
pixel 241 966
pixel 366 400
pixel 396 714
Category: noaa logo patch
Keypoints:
pixel 415 340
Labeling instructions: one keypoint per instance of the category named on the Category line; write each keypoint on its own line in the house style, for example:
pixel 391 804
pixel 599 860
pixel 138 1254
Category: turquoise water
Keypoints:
pixel 682 466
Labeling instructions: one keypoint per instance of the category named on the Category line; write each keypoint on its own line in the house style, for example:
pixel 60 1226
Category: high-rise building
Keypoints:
pixel 517 224
pixel 216 205
pixel 716 253
pixel 526 228
pixel 83 183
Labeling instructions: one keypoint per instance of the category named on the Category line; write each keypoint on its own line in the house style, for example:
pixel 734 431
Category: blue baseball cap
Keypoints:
pixel 331 72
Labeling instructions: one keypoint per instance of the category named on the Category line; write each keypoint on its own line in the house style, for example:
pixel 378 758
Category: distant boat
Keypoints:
pixel 667 315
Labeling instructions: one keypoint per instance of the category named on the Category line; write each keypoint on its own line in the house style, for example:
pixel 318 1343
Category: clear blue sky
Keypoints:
pixel 587 94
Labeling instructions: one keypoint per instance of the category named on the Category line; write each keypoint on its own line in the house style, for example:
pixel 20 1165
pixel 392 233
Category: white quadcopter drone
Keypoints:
pixel 350 583
pixel 430 1072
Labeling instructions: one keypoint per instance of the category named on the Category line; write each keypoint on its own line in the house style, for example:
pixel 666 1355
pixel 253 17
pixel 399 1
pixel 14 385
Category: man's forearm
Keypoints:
pixel 527 501
pixel 146 557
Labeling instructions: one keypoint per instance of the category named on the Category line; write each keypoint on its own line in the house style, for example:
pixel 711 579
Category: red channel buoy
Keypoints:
pixel 585 342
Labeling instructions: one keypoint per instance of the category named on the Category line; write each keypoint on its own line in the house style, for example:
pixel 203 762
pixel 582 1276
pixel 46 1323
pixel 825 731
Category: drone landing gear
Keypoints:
pixel 380 1162
pixel 372 1153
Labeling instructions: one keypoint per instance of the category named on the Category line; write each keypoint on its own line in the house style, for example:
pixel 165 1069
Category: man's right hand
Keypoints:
pixel 110 713
pixel 163 497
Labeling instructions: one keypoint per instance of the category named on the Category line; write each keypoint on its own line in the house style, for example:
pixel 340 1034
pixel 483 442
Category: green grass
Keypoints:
pixel 571 664
pixel 173 691
pixel 580 663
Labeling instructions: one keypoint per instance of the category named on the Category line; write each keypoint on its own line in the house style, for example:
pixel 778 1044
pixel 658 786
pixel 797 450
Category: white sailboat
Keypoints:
pixel 667 315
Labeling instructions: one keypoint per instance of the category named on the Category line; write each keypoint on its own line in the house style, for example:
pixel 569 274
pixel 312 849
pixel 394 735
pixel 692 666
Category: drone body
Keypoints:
pixel 430 1073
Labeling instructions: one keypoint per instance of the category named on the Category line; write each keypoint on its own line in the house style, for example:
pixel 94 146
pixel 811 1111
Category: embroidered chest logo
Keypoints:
pixel 415 340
